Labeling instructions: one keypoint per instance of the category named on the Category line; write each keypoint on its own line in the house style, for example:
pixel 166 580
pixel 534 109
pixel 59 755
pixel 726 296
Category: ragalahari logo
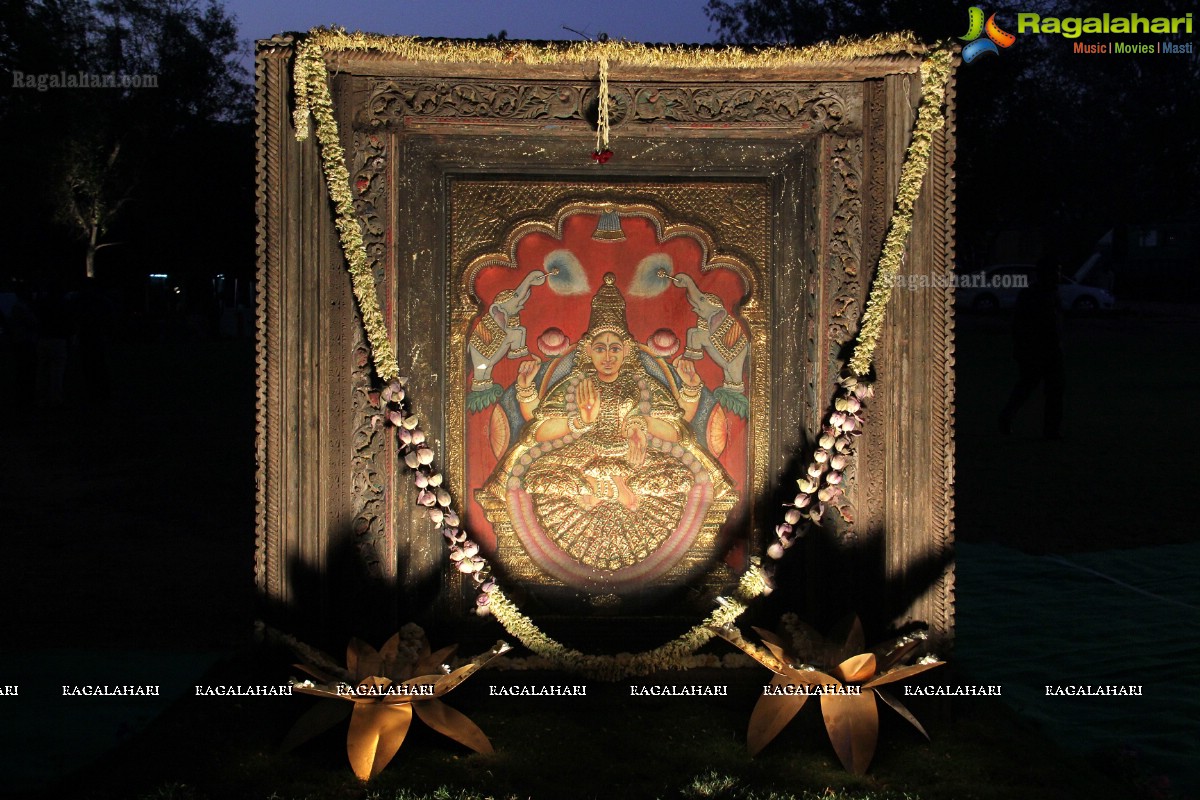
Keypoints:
pixel 976 28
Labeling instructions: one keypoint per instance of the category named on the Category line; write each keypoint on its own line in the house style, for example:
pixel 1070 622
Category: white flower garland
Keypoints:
pixel 819 486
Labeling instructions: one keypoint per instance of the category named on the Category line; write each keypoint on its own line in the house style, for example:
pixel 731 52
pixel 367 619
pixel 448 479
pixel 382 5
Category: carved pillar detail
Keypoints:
pixel 370 462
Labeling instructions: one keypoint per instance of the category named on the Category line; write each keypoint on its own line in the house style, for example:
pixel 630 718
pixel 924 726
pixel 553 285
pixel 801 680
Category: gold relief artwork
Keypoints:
pixel 607 470
pixel 612 366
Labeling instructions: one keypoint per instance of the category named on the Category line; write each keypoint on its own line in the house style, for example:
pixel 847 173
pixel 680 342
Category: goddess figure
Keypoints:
pixel 606 486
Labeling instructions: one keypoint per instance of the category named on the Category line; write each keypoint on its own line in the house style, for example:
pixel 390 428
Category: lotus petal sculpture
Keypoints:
pixel 386 687
pixel 847 682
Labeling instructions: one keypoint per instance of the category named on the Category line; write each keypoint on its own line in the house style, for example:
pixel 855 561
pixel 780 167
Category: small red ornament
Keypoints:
pixel 601 156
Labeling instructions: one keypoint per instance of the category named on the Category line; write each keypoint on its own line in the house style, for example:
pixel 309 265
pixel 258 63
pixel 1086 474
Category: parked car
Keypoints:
pixel 999 286
pixel 1075 296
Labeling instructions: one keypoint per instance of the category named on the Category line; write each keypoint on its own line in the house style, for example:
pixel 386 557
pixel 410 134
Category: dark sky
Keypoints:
pixel 681 21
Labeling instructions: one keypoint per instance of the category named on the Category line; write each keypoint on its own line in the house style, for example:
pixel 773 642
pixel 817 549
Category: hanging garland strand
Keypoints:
pixel 668 656
pixel 313 97
pixel 601 154
pixel 820 485
pixel 935 74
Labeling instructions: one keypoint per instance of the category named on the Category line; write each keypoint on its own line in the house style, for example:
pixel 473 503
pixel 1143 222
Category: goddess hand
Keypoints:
pixel 637 446
pixel 527 371
pixel 687 371
pixel 588 398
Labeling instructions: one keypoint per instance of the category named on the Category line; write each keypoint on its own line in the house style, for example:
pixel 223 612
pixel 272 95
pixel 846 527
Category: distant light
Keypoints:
pixel 158 276
pixel 221 277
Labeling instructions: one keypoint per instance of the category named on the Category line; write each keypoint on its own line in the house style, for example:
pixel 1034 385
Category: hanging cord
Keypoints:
pixel 602 153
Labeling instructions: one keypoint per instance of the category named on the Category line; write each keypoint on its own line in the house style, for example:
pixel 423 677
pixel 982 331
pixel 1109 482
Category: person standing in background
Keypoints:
pixel 1037 348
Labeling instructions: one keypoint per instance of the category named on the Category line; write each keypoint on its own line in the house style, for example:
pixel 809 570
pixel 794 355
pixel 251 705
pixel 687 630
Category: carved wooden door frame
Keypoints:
pixel 337 531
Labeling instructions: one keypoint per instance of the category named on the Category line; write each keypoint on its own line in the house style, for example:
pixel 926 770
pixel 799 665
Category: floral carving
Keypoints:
pixel 366 477
pixel 804 105
pixel 395 99
pixel 845 237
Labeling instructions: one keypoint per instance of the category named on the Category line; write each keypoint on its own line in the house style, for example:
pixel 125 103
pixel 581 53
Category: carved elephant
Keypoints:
pixel 717 333
pixel 500 332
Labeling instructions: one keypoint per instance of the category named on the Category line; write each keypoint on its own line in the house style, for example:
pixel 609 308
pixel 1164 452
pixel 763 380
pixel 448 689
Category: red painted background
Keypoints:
pixel 547 309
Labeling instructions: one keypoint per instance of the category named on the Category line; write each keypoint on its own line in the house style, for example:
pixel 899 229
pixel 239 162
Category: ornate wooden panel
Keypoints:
pixel 790 174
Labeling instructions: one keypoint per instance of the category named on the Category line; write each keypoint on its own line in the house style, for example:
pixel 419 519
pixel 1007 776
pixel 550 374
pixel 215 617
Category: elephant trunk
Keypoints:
pixel 535 278
pixel 694 295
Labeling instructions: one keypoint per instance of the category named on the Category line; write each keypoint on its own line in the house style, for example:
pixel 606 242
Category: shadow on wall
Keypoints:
pixel 824 581
pixel 350 597
pixel 831 578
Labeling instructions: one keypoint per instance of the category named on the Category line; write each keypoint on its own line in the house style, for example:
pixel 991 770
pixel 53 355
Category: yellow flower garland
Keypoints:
pixel 310 64
pixel 605 667
pixel 312 94
pixel 935 73
pixel 313 98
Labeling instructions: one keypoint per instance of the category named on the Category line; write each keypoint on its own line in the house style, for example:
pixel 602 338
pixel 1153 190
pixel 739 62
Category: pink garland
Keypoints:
pixel 821 484
pixel 431 495
pixel 822 481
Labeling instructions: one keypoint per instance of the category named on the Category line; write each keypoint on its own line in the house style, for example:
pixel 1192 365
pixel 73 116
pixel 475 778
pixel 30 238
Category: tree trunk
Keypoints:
pixel 90 258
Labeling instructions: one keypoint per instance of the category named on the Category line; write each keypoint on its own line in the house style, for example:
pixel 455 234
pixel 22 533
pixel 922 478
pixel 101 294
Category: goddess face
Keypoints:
pixel 607 352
